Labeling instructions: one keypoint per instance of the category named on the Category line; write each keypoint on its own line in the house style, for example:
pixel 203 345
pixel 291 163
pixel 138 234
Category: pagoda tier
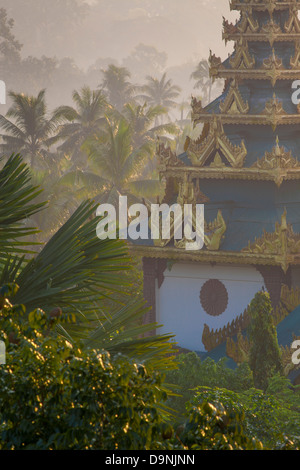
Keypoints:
pixel 251 131
pixel 245 166
pixel 263 5
pixel 245 169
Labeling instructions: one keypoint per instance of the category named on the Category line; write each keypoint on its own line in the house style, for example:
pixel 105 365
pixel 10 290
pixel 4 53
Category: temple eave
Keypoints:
pixel 262 37
pixel 264 6
pixel 277 175
pixel 250 119
pixel 220 257
pixel 255 74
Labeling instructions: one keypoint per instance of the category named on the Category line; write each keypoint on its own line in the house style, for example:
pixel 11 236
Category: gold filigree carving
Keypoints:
pixel 197 109
pixel 167 157
pixel 292 25
pixel 271 30
pixel 282 243
pixel 247 23
pixel 273 111
pixel 290 298
pixel 295 60
pixel 238 351
pixel 214 233
pixel 273 65
pixel 277 158
pixel 212 338
pixel 234 103
pixel 242 59
pixel 215 64
pixel 216 141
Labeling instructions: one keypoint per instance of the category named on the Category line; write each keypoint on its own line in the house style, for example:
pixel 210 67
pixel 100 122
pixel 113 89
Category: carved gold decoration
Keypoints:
pixel 292 25
pixel 212 338
pixel 234 103
pixel 214 233
pixel 273 111
pixel 276 160
pixel 242 59
pixel 238 351
pixel 215 65
pixel 167 157
pixel 197 109
pixel 295 60
pixel 189 193
pixel 267 5
pixel 273 65
pixel 247 23
pixel 290 298
pixel 282 243
pixel 217 141
pixel 272 30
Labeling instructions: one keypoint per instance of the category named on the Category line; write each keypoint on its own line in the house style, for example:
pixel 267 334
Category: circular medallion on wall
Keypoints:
pixel 214 297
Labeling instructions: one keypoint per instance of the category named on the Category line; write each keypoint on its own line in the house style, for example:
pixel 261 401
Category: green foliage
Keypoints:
pixel 57 396
pixel 265 355
pixel 17 196
pixel 87 278
pixel 212 428
pixel 192 372
pixel 268 418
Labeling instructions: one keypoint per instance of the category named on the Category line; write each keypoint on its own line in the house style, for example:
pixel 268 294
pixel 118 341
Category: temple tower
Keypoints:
pixel 245 168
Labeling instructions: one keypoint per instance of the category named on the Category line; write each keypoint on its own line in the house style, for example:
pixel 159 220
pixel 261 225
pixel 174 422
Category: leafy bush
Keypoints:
pixel 57 396
pixel 265 355
pixel 192 372
pixel 268 418
pixel 212 428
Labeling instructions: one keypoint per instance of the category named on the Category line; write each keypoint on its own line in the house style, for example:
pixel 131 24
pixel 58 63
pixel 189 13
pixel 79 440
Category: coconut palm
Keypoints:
pixel 160 92
pixel 203 80
pixel 74 272
pixel 142 120
pixel 119 163
pixel 145 130
pixel 81 121
pixel 29 130
pixel 116 86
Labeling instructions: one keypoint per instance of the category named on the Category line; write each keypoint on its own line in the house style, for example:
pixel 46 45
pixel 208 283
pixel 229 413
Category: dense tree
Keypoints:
pixel 265 356
pixel 119 163
pixel 160 92
pixel 116 85
pixel 143 120
pixel 203 80
pixel 81 122
pixel 29 130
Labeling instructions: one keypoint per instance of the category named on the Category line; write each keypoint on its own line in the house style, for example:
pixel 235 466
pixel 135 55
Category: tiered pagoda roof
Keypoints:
pixel 245 166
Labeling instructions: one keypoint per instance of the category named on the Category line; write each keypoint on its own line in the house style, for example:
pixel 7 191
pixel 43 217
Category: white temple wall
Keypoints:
pixel 178 304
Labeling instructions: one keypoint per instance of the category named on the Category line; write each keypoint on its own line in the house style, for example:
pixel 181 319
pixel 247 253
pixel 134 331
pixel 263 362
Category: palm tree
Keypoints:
pixel 203 80
pixel 145 131
pixel 74 272
pixel 119 163
pixel 160 92
pixel 142 120
pixel 80 122
pixel 29 130
pixel 117 86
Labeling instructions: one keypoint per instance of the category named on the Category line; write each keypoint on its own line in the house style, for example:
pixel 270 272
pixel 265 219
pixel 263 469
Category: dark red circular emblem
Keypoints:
pixel 214 297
